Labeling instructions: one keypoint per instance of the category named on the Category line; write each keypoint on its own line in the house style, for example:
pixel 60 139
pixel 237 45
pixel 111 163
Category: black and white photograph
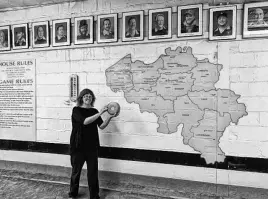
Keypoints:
pixel 20 36
pixel 4 38
pixel 222 23
pixel 40 36
pixel 83 30
pixel 255 20
pixel 107 28
pixel 61 32
pixel 160 23
pixel 190 20
pixel 132 26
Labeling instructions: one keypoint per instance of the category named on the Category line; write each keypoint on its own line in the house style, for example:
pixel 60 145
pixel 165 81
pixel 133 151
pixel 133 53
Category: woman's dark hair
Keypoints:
pixel 79 100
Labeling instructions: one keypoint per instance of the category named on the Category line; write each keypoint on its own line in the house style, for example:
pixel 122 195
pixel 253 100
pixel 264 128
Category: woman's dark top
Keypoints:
pixel 89 133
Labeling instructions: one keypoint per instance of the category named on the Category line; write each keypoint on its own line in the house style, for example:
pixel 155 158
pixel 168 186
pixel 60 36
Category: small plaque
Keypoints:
pixel 73 87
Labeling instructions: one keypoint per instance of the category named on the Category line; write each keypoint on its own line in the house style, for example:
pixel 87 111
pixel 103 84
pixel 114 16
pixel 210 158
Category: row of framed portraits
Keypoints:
pixel 222 25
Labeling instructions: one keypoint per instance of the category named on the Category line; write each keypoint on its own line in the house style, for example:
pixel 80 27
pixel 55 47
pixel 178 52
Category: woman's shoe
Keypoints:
pixel 72 195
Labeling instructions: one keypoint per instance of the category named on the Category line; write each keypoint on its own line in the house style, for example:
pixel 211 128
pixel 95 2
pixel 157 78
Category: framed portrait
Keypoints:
pixel 40 34
pixel 61 32
pixel 20 36
pixel 83 30
pixel 132 26
pixel 107 28
pixel 160 23
pixel 222 23
pixel 190 20
pixel 255 20
pixel 5 38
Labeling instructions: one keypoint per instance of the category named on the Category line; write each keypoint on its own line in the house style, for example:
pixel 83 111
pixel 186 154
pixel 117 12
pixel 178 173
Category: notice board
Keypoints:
pixel 17 100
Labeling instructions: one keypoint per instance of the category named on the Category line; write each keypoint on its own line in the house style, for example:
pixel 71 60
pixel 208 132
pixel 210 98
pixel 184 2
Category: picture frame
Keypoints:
pixel 61 35
pixel 5 43
pixel 20 36
pixel 83 30
pixel 255 23
pixel 160 23
pixel 190 20
pixel 40 34
pixel 222 23
pixel 132 26
pixel 107 28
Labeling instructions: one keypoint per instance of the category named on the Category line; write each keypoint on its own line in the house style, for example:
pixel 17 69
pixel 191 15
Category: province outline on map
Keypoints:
pixel 179 89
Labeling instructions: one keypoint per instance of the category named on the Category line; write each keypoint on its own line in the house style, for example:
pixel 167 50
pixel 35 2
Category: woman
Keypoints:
pixel 84 142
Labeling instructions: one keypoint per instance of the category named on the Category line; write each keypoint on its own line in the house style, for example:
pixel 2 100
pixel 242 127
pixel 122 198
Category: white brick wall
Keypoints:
pixel 263 118
pixel 245 71
pixel 250 89
pixel 248 78
pixel 54 68
pixel 256 74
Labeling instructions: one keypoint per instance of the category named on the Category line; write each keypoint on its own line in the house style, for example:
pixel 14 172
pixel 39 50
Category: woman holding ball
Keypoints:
pixel 84 142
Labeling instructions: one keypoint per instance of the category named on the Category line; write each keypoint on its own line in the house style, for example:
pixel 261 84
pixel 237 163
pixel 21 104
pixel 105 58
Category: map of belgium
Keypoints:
pixel 179 89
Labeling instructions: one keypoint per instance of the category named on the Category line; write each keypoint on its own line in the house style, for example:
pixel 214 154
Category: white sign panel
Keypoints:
pixel 17 100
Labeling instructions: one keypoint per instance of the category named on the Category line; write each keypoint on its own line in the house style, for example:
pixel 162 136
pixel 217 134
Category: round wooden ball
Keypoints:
pixel 113 108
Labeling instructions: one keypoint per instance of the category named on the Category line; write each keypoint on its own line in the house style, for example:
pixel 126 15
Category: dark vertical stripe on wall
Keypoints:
pixel 164 157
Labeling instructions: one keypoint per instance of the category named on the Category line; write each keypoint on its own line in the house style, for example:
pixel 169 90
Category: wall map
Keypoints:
pixel 179 89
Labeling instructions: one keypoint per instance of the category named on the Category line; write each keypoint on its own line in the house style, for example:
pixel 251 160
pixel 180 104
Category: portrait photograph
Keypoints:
pixel 4 38
pixel 83 30
pixel 190 20
pixel 20 36
pixel 107 28
pixel 222 23
pixel 255 20
pixel 160 23
pixel 61 32
pixel 132 26
pixel 40 36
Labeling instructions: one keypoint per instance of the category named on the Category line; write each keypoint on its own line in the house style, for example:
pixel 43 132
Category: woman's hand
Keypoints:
pixel 104 109
pixel 113 115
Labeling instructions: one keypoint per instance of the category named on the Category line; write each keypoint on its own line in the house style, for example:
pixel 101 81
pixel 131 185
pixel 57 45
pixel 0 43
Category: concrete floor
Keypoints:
pixel 29 181
pixel 21 188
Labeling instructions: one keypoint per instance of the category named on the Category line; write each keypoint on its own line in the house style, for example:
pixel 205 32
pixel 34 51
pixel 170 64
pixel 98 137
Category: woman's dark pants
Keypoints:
pixel 77 161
